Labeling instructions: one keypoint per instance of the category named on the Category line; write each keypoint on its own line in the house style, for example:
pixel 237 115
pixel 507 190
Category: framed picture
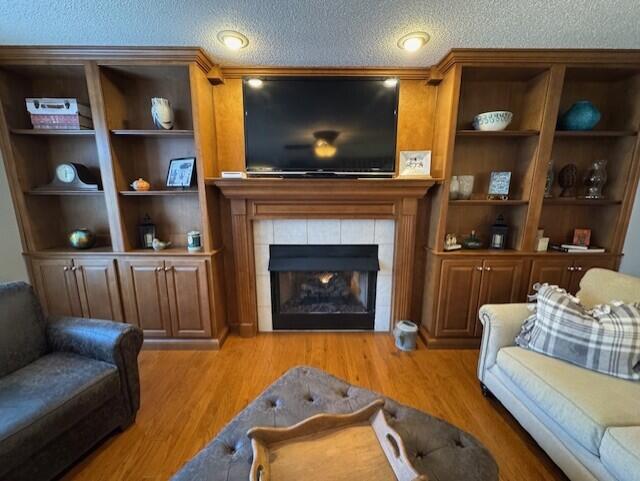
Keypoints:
pixel 415 162
pixel 499 185
pixel 181 172
pixel 582 237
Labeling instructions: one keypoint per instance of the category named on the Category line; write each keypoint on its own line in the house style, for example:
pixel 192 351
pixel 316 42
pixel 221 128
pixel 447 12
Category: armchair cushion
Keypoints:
pixel 46 398
pixel 112 342
pixel 22 327
pixel 502 323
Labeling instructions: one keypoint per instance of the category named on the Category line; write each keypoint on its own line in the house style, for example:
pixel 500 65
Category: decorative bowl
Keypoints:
pixel 498 120
pixel 582 115
pixel 82 239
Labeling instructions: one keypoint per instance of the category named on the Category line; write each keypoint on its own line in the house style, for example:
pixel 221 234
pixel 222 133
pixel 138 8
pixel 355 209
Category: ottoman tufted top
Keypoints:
pixel 436 448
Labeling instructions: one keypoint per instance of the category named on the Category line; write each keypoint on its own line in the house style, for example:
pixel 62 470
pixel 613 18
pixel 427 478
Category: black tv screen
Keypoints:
pixel 343 125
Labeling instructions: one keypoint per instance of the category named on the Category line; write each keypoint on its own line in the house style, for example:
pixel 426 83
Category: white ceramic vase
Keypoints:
pixel 465 188
pixel 454 188
pixel 162 113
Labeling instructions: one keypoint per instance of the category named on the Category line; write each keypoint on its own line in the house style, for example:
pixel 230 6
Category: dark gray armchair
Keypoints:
pixel 65 384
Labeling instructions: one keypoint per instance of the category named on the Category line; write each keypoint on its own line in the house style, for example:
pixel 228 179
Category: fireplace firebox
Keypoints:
pixel 323 286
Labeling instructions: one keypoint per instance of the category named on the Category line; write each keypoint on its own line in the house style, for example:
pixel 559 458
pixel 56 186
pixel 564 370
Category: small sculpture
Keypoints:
pixel 451 243
pixel 82 239
pixel 595 179
pixel 454 188
pixel 140 185
pixel 466 186
pixel 567 178
pixel 162 113
pixel 159 245
pixel 582 115
pixel 472 242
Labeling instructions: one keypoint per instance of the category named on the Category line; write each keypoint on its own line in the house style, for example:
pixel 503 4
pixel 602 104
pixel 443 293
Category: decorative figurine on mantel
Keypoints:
pixel 499 234
pixel 595 179
pixel 472 242
pixel 567 178
pixel 162 113
pixel 159 245
pixel 451 243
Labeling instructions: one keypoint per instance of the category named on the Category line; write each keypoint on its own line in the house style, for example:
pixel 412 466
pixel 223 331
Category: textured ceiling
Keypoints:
pixel 324 33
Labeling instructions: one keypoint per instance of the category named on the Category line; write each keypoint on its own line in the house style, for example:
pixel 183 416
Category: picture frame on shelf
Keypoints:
pixel 499 184
pixel 582 237
pixel 415 163
pixel 181 172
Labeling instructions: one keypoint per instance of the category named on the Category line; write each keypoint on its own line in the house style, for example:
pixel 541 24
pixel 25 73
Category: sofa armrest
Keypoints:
pixel 501 324
pixel 112 342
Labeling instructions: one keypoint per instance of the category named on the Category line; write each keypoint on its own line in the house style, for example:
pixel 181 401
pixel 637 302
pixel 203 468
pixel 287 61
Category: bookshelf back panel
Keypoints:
pixel 20 82
pixel 173 216
pixel 128 92
pixel 462 219
pixel 149 158
pixel 480 156
pixel 53 218
pixel 618 151
pixel 559 221
pixel 615 92
pixel 38 156
pixel 518 90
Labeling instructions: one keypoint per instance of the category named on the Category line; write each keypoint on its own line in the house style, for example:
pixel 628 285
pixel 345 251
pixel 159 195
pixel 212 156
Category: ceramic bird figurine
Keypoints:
pixel 159 245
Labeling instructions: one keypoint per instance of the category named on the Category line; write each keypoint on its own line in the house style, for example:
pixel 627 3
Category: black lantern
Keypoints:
pixel 499 233
pixel 146 232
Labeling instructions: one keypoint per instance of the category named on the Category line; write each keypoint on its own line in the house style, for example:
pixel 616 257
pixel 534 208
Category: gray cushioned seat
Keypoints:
pixel 436 448
pixel 45 398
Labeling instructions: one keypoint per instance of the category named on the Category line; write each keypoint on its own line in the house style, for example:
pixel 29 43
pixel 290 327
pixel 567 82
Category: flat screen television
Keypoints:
pixel 320 126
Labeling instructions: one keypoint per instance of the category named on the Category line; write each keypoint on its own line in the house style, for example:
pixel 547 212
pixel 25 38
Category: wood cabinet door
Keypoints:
pixel 56 287
pixel 501 284
pixel 188 297
pixel 98 288
pixel 552 271
pixel 458 297
pixel 581 265
pixel 144 292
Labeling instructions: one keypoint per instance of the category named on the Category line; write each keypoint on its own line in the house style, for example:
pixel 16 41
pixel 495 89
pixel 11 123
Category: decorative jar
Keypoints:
pixel 582 115
pixel 595 179
pixel 82 239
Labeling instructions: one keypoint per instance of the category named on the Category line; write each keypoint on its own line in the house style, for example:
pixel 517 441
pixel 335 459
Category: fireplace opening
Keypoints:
pixel 323 286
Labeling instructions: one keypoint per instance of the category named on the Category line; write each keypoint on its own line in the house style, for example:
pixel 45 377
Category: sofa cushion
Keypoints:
pixel 620 452
pixel 584 403
pixel 45 398
pixel 22 327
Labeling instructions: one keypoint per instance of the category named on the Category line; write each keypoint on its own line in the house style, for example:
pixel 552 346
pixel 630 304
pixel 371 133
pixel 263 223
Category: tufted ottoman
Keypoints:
pixel 436 448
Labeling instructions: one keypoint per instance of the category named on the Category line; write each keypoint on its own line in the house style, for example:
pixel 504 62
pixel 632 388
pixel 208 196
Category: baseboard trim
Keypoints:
pixel 433 342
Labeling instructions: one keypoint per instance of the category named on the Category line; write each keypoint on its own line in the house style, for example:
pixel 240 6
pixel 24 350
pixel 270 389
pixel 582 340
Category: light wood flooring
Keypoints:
pixel 188 396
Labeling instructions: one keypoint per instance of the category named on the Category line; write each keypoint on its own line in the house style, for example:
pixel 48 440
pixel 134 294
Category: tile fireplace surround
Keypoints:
pixel 380 232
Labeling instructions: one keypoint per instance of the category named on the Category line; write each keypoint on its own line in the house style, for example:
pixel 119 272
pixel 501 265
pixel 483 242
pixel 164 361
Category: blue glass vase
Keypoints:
pixel 582 115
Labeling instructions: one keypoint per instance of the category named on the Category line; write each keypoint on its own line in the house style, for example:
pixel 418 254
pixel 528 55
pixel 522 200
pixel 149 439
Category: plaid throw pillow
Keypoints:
pixel 605 339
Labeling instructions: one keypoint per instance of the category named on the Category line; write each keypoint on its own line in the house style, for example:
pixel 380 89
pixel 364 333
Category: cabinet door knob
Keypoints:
pixel 65 268
pixel 479 268
pixel 158 269
pixel 579 268
pixel 571 268
pixel 487 268
pixel 167 269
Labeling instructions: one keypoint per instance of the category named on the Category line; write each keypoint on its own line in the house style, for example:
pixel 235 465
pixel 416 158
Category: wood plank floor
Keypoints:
pixel 188 396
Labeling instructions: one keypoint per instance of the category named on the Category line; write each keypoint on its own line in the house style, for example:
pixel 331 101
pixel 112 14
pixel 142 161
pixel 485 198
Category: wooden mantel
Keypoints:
pixel 257 199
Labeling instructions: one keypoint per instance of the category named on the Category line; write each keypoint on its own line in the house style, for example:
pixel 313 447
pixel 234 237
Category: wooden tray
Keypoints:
pixel 332 447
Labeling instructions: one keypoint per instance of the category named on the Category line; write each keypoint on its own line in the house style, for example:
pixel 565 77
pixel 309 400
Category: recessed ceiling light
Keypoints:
pixel 254 83
pixel 233 40
pixel 413 41
pixel 390 82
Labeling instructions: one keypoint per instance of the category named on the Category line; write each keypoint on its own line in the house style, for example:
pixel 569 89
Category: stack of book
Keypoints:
pixel 48 113
pixel 577 249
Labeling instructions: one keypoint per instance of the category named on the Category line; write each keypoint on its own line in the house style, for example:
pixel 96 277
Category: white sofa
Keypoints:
pixel 588 423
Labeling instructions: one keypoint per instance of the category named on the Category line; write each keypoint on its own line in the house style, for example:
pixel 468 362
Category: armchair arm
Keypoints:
pixel 502 323
pixel 112 342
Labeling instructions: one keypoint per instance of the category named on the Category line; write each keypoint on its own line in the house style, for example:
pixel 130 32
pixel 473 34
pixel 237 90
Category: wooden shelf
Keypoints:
pixel 153 133
pixel 497 133
pixel 171 251
pixel 472 202
pixel 480 252
pixel 65 192
pixel 158 192
pixel 66 250
pixel 574 201
pixel 595 133
pixel 49 132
